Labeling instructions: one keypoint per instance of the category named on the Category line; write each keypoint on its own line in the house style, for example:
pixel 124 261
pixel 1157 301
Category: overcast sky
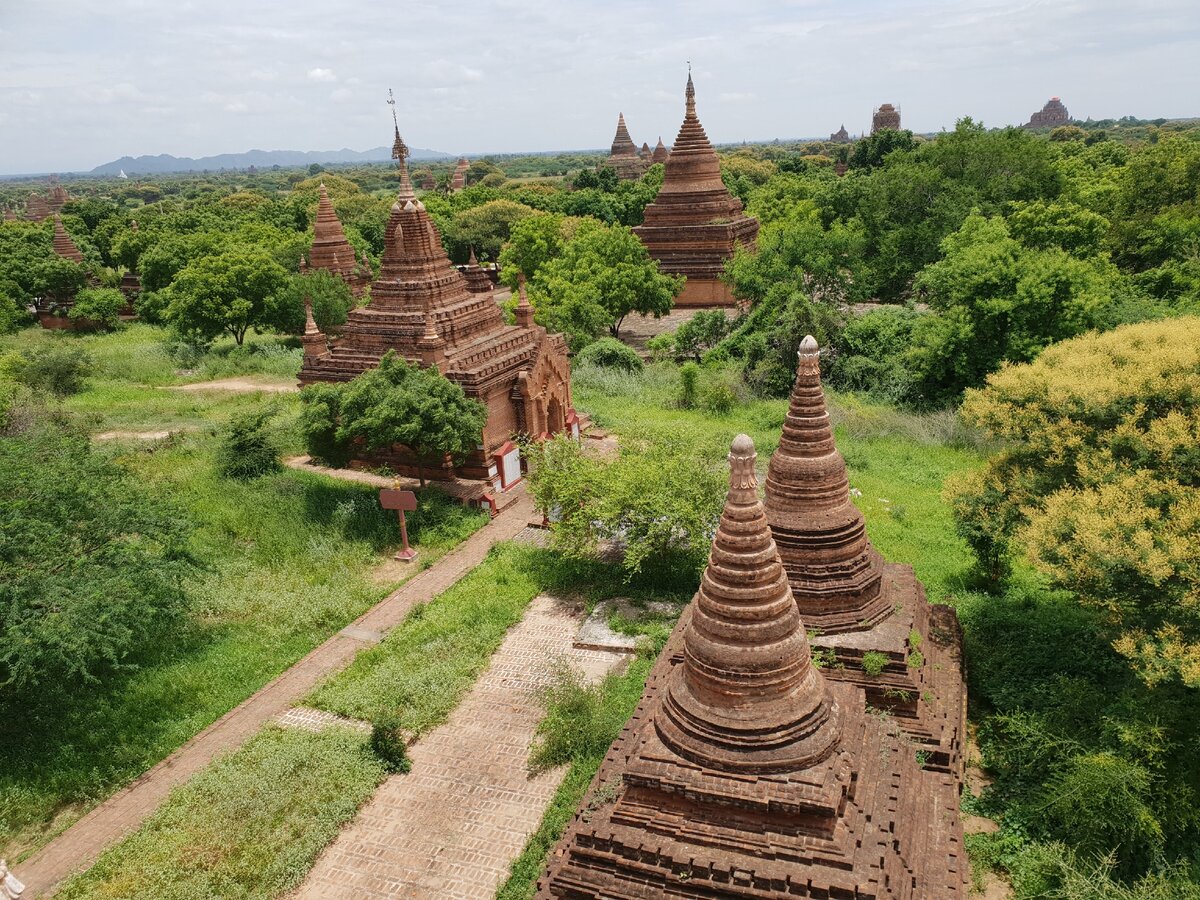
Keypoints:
pixel 86 81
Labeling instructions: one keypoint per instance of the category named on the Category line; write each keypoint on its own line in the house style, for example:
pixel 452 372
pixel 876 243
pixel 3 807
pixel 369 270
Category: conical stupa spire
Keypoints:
pixel 623 144
pixel 747 697
pixel 400 154
pixel 63 245
pixel 690 97
pixel 330 250
pixel 313 340
pixel 834 571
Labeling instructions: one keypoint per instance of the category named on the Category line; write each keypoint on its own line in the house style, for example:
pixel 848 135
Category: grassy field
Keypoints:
pixel 285 561
pixel 248 826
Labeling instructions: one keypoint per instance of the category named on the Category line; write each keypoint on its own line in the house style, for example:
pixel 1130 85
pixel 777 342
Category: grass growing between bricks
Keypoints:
pixel 249 826
pixel 423 667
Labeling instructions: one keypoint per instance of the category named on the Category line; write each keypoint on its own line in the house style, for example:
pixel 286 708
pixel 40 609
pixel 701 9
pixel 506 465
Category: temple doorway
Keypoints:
pixel 555 421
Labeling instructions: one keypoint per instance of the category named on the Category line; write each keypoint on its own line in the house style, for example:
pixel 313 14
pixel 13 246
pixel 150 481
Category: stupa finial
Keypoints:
pixel 690 94
pixel 400 153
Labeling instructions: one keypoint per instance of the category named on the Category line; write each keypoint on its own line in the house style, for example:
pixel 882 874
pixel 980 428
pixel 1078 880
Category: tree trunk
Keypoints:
pixel 421 472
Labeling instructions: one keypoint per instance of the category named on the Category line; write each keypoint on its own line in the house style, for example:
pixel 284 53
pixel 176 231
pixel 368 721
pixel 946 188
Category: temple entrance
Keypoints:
pixel 555 421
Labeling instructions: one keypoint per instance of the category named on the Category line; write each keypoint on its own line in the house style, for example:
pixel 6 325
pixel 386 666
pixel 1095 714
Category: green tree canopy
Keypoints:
pixel 228 293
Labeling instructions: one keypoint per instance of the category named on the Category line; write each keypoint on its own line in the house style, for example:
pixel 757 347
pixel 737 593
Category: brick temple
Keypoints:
pixel 745 772
pixel 851 600
pixel 1052 115
pixel 694 223
pixel 424 309
pixel 458 180
pixel 660 153
pixel 886 116
pixel 623 157
pixel 332 252
pixel 52 309
pixel 841 136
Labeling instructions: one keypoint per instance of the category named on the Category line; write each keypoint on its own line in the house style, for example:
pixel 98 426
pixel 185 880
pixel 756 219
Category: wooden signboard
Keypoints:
pixel 402 502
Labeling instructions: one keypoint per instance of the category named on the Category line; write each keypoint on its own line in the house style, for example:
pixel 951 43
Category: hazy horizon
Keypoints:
pixel 81 87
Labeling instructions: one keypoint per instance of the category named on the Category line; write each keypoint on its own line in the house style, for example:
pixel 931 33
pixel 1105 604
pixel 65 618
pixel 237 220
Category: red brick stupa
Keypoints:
pixel 63 245
pixel 623 157
pixel 694 223
pixel 422 308
pixel 852 602
pixel 458 180
pixel 660 153
pixel 886 116
pixel 36 208
pixel 744 773
pixel 331 251
pixel 1052 115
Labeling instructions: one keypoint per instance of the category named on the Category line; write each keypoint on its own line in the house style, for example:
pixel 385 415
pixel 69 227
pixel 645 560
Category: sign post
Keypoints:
pixel 402 502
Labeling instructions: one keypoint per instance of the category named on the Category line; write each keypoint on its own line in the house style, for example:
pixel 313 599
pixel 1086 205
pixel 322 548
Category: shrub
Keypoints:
pixel 247 449
pixel 689 376
pixel 873 662
pixel 99 306
pixel 870 354
pixel 12 316
pixel 58 368
pixel 610 353
pixel 1099 482
pixel 701 332
pixel 390 743
pixel 91 564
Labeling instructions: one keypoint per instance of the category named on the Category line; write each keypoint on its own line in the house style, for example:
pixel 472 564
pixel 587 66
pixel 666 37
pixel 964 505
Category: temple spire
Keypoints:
pixel 400 154
pixel 524 310
pixel 834 571
pixel 747 696
pixel 690 94
pixel 313 340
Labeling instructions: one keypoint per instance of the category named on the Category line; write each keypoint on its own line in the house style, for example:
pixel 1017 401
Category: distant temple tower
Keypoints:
pixel 458 180
pixel 886 116
pixel 1052 115
pixel 36 208
pixel 745 772
pixel 694 223
pixel 623 157
pixel 841 136
pixel 63 245
pixel 660 152
pixel 425 310
pixel 331 251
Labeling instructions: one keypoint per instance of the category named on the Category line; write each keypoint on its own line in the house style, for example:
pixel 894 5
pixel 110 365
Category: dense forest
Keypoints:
pixel 1018 313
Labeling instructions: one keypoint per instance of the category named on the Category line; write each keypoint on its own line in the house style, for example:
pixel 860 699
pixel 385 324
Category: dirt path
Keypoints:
pixel 452 827
pixel 77 847
pixel 243 384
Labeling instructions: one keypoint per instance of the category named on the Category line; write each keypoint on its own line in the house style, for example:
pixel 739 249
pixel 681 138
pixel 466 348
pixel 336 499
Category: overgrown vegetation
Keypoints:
pixel 250 825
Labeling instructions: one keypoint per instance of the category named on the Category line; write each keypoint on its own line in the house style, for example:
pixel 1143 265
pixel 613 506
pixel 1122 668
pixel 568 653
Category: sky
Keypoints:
pixel 83 82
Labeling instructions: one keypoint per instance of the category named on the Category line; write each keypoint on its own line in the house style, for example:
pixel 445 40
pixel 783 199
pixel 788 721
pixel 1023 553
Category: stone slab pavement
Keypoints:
pixel 79 846
pixel 451 828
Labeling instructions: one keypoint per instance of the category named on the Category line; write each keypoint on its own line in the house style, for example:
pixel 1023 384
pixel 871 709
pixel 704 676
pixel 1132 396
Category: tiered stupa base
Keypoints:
pixel 863 823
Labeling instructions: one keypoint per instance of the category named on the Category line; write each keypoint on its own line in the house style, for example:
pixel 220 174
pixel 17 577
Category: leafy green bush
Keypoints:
pixel 12 316
pixel 247 449
pixel 610 353
pixel 581 720
pixel 873 662
pixel 57 368
pixel 689 377
pixel 390 743
pixel 101 306
pixel 91 564
pixel 1099 482
pixel 870 354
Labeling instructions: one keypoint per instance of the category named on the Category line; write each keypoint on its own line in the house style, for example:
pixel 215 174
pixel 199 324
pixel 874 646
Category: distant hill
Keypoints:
pixel 163 163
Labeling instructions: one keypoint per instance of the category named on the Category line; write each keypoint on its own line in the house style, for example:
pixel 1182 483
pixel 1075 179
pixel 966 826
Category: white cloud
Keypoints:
pixel 321 75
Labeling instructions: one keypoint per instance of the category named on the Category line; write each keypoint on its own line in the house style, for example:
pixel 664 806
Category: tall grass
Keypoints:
pixel 249 826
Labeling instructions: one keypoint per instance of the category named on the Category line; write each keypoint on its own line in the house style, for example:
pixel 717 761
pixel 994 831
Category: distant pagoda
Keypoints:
pixel 52 309
pixel 332 252
pixel 851 600
pixel 623 157
pixel 694 223
pixel 660 152
pixel 63 245
pixel 1052 115
pixel 37 209
pixel 423 308
pixel 886 116
pixel 458 180
pixel 744 772
pixel 841 136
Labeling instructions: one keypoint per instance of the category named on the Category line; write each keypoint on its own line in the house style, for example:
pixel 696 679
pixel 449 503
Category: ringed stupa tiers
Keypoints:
pixel 331 250
pixel 458 180
pixel 660 153
pixel 694 223
pixel 422 308
pixel 744 772
pixel 623 157
pixel 851 600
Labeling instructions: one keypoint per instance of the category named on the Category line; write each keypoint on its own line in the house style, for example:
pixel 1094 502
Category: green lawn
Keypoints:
pixel 284 562
pixel 248 826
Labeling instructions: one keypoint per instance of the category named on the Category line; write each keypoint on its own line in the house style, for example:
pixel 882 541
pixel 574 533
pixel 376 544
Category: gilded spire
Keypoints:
pixel 747 697
pixel 834 571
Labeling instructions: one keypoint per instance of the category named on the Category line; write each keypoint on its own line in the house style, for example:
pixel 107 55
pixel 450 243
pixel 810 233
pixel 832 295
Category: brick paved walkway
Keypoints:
pixel 451 829
pixel 77 847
